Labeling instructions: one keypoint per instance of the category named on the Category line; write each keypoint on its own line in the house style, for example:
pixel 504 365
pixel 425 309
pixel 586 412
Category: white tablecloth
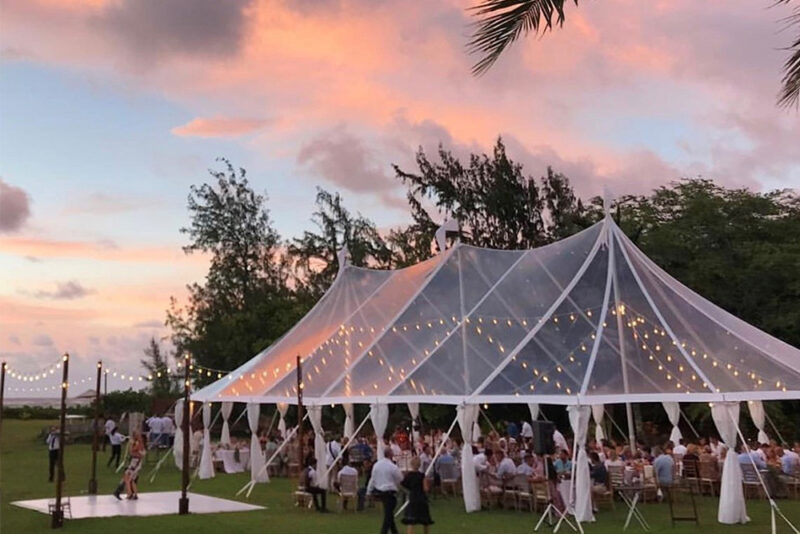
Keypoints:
pixel 229 462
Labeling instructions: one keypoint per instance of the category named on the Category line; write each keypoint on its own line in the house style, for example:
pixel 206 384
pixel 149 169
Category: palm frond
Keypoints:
pixel 501 22
pixel 789 94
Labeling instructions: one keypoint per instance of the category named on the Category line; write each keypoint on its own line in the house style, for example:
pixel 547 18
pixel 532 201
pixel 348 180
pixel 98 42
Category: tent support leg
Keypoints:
pixel 772 504
pixel 250 484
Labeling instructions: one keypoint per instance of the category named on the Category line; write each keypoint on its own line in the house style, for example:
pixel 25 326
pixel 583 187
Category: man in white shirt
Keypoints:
pixel 715 446
pixel 383 483
pixel 347 471
pixel 527 431
pixel 116 440
pixel 332 450
pixel 53 447
pixel 424 459
pixel 155 431
pixel 481 460
pixel 312 487
pixel 168 431
pixel 679 448
pixel 109 428
pixel 505 467
pixel 790 460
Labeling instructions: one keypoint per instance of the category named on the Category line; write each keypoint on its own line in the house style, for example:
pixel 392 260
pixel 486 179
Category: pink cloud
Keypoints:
pixel 219 127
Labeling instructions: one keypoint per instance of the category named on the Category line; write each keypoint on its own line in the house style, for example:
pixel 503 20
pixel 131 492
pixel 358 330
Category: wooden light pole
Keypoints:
pixel 58 512
pixel 2 393
pixel 95 444
pixel 183 503
pixel 300 458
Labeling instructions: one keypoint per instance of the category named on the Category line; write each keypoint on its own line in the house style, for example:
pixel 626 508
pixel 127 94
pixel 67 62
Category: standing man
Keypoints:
pixel 383 483
pixel 53 446
pixel 109 426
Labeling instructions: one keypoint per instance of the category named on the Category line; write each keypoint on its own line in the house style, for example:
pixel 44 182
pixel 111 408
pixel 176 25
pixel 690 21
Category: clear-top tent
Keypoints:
pixel 586 320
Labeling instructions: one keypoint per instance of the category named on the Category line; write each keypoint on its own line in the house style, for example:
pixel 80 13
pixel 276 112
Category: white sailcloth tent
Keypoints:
pixel 586 320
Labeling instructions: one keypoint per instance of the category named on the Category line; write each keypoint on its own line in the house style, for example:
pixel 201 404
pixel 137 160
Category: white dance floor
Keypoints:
pixel 158 503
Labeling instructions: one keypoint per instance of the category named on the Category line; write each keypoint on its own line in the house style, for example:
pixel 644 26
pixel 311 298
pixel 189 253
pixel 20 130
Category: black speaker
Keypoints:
pixel 543 437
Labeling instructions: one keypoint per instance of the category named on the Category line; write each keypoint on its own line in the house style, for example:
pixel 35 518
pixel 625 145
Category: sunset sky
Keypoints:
pixel 111 109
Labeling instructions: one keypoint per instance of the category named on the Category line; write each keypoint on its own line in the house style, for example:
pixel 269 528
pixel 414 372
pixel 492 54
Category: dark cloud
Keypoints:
pixel 154 323
pixel 151 29
pixel 14 207
pixel 70 290
pixel 344 160
pixel 14 340
pixel 42 340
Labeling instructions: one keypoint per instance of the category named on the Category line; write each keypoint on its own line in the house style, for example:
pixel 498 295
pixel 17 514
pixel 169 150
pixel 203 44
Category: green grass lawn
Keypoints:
pixel 23 473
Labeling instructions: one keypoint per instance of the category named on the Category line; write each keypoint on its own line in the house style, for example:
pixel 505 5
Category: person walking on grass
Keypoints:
pixel 116 439
pixel 386 476
pixel 130 478
pixel 53 447
pixel 417 485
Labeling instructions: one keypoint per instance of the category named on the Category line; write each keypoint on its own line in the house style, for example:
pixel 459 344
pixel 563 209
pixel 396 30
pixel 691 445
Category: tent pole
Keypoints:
pixel 775 428
pixel 250 483
pixel 621 337
pixel 688 422
pixel 463 324
pixel 772 504
pixel 299 418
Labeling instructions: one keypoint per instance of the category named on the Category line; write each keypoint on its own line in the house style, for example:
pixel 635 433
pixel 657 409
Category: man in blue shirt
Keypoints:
pixel 563 465
pixel 512 430
pixel 663 465
pixel 751 458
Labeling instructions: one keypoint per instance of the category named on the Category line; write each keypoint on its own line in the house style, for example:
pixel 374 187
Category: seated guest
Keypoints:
pixel 613 459
pixel 526 467
pixel 790 461
pixel 691 458
pixel 505 466
pixel 309 481
pixel 663 465
pixel 347 470
pixel 563 464
pixel 597 472
pixel 482 460
pixel 715 446
pixel 751 457
pixel 680 448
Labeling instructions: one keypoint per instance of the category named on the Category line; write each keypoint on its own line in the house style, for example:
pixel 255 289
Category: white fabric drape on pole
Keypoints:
pixel 226 409
pixel 758 416
pixel 467 416
pixel 379 414
pixel 579 420
pixel 283 407
pixel 673 410
pixel 413 409
pixel 476 430
pixel 257 471
pixel 177 448
pixel 534 408
pixel 206 469
pixel 731 496
pixel 598 412
pixel 348 419
pixel 315 416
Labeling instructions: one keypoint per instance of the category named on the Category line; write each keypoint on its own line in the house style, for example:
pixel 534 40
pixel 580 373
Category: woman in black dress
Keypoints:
pixel 417 512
